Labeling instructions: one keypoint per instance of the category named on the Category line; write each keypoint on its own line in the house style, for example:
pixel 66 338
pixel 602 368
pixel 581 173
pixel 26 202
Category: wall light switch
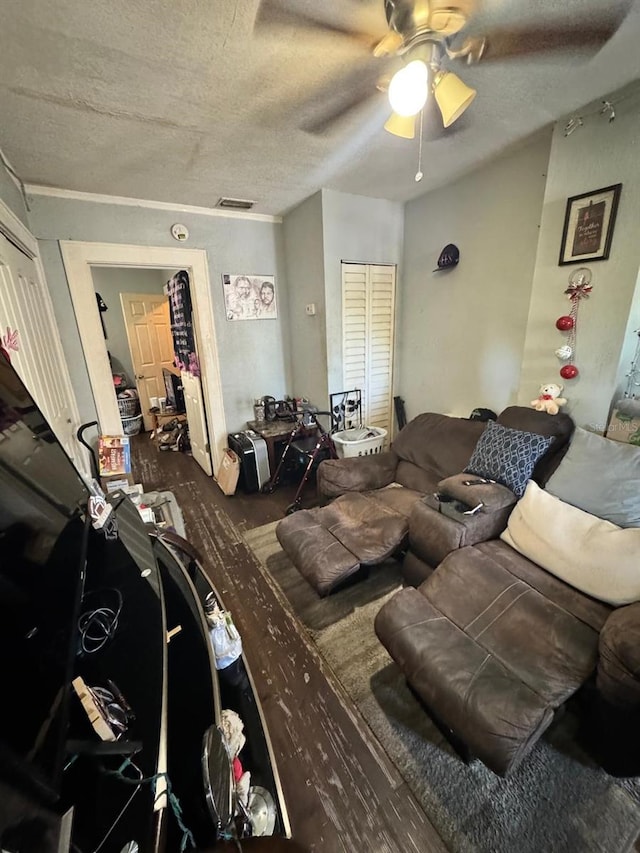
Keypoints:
pixel 310 309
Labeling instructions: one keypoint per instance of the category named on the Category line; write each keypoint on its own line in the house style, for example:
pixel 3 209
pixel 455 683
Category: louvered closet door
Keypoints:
pixel 368 319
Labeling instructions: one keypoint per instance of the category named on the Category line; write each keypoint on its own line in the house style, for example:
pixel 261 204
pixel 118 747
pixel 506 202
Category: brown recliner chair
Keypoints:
pixel 493 645
pixel 374 498
pixel 433 534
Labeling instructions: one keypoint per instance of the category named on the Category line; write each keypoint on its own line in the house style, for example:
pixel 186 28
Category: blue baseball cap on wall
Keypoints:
pixel 449 257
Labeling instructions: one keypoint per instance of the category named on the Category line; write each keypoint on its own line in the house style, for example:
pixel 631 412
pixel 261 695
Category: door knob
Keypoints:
pixel 139 376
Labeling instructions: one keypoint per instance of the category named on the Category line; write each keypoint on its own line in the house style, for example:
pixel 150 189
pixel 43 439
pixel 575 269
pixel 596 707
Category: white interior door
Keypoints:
pixel 148 325
pixel 368 322
pixel 197 421
pixel 25 308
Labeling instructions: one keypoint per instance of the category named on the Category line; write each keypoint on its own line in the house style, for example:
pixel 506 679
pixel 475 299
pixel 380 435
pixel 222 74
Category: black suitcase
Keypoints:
pixel 252 453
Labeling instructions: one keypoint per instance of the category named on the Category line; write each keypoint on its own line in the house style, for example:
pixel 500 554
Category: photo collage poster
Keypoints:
pixel 250 297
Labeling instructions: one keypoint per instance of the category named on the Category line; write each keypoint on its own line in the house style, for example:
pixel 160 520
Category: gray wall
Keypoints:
pixel 597 155
pixel 11 195
pixel 362 230
pixel 305 274
pixel 324 230
pixel 110 283
pixel 462 330
pixel 253 354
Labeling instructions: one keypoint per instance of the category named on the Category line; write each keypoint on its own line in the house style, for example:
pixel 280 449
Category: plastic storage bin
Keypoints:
pixel 359 441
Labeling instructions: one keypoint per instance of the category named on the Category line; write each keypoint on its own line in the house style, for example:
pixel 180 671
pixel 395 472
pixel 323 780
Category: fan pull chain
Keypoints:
pixel 419 174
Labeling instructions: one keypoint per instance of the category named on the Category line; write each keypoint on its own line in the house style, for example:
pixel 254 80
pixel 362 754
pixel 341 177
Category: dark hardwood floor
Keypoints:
pixel 342 791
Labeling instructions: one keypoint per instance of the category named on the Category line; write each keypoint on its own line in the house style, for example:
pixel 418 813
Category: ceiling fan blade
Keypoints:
pixel 349 18
pixel 515 42
pixel 341 112
pixel 403 126
pixel 334 103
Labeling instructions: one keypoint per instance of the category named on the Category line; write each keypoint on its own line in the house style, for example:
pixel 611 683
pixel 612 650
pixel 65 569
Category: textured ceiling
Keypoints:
pixel 188 101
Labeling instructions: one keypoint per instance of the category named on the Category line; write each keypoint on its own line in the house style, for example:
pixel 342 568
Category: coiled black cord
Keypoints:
pixel 97 625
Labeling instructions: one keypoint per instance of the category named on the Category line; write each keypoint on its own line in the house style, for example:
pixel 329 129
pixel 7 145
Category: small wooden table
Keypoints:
pixel 159 418
pixel 276 432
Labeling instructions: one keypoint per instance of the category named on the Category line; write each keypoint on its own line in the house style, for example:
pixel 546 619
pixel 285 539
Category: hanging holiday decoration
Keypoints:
pixel 580 287
pixel 624 424
pixel 564 352
pixel 564 324
pixel 569 371
pixel 633 376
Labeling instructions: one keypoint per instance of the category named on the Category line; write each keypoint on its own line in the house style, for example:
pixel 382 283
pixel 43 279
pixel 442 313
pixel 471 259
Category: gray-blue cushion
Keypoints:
pixel 507 455
pixel 600 476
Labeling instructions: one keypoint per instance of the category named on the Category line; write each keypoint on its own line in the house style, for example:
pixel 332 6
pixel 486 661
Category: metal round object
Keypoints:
pixel 580 277
pixel 262 811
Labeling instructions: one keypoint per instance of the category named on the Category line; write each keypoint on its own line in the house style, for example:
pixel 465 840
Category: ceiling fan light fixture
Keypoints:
pixel 452 95
pixel 409 88
pixel 403 126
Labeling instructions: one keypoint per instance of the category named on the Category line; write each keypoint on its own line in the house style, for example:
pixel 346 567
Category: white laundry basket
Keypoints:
pixel 359 441
pixel 132 426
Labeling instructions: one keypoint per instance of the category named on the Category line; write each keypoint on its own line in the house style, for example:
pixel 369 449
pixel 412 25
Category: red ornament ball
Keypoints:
pixel 569 371
pixel 565 324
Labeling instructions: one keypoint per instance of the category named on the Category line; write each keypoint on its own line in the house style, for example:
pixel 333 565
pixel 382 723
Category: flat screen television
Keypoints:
pixel 43 546
pixel 174 391
pixel 59 579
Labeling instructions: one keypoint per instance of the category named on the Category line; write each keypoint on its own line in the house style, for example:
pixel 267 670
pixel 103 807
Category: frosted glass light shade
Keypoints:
pixel 409 88
pixel 452 96
pixel 404 126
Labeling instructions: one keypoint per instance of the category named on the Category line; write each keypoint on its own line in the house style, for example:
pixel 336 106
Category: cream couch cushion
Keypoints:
pixel 593 555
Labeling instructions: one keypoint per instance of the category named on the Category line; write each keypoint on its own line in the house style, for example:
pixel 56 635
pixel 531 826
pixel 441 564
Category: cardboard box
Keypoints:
pixel 114 455
pixel 115 482
pixel 624 427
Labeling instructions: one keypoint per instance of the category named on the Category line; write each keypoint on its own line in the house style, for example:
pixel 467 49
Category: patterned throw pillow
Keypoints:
pixel 507 455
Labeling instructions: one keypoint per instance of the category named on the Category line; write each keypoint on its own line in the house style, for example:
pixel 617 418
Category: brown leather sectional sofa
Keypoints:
pixel 383 504
pixel 491 642
pixel 494 645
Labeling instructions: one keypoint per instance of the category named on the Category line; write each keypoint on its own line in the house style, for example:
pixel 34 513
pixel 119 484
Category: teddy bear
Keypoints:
pixel 549 399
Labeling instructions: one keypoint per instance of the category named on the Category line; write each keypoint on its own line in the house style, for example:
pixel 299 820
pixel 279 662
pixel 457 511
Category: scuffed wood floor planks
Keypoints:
pixel 343 793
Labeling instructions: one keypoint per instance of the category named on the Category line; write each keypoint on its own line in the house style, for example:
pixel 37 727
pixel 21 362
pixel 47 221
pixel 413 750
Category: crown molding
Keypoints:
pixel 98 198
pixel 17 232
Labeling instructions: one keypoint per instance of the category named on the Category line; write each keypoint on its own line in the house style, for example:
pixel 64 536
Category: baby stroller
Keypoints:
pixel 312 449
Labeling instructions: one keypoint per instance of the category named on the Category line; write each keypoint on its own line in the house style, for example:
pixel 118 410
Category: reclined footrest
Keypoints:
pixel 316 553
pixel 493 712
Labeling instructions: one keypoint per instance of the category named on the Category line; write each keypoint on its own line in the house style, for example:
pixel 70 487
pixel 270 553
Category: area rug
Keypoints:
pixel 557 801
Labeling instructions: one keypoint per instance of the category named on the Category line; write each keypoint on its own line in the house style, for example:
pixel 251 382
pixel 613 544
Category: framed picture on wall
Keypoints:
pixel 250 297
pixel 588 225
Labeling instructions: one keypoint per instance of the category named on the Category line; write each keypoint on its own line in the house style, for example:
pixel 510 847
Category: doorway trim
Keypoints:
pixel 78 258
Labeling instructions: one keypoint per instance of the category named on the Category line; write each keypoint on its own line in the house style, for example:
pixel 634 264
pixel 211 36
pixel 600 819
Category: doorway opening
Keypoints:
pixel 147 324
pixel 146 272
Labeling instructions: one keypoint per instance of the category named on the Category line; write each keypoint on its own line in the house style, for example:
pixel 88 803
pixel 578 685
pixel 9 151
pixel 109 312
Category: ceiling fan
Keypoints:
pixel 423 37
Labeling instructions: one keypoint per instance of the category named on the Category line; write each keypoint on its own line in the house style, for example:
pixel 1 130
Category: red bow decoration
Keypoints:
pixel 546 397
pixel 579 291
